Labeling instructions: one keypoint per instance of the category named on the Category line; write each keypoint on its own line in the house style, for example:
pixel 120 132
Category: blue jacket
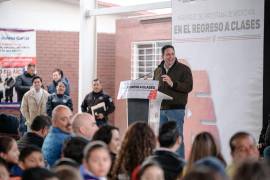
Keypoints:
pixel 87 175
pixel 53 143
pixel 15 171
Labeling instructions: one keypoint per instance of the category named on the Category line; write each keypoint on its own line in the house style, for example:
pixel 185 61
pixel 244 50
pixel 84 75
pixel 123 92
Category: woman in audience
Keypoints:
pixel 59 98
pixel 10 153
pixel 203 145
pixel 138 143
pixel 97 161
pixel 110 135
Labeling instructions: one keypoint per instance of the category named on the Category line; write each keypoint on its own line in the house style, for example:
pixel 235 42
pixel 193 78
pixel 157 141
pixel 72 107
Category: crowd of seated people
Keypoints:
pixel 53 151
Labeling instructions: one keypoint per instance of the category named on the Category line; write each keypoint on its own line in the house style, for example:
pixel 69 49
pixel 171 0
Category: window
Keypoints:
pixel 146 56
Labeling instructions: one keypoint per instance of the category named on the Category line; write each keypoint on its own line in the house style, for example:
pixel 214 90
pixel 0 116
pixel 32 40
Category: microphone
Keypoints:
pixel 144 75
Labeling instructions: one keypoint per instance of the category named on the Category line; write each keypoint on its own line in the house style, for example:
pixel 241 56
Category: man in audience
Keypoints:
pixel 60 131
pixel 84 125
pixel 34 101
pixel 97 103
pixel 169 140
pixel 39 130
pixel 243 147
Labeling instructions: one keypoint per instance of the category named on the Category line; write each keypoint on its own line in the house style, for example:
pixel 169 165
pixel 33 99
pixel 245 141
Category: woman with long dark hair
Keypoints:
pixel 138 143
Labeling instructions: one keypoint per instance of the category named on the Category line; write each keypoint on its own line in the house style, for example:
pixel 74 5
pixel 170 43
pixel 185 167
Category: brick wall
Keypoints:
pixel 59 50
pixel 106 64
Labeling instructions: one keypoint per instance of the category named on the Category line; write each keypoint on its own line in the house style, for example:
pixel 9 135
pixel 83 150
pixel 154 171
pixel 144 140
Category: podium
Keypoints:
pixel 143 101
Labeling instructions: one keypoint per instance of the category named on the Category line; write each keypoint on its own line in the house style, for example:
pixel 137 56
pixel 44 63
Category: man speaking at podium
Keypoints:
pixel 175 80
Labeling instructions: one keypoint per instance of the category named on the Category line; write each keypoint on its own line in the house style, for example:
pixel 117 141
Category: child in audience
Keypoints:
pixel 30 157
pixel 10 153
pixel 150 170
pixel 97 161
pixel 111 136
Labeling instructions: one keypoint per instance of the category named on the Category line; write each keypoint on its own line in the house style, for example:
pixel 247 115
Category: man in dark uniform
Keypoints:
pixel 98 103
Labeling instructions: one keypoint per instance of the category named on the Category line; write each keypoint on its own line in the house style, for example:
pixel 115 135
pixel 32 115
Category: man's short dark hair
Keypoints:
pixel 59 71
pixel 95 80
pixel 40 122
pixel 31 65
pixel 104 133
pixel 239 135
pixel 168 134
pixel 36 77
pixel 166 47
pixel 73 148
pixel 38 173
pixel 27 151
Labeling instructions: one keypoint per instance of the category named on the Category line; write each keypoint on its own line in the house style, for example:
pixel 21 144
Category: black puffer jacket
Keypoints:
pixel 58 99
pixel 23 84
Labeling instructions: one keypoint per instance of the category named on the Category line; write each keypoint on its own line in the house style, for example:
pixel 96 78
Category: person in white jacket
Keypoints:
pixel 34 101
